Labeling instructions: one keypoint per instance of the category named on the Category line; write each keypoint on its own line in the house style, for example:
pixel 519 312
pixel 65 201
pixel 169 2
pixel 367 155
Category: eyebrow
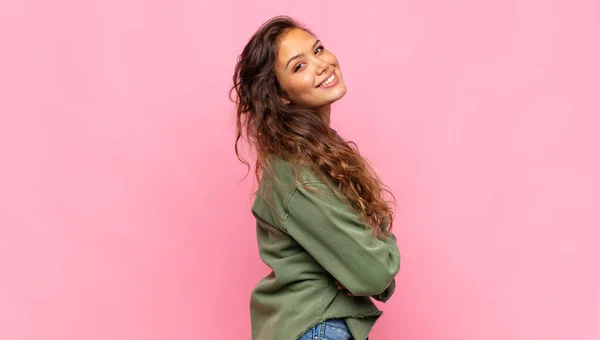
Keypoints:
pixel 301 54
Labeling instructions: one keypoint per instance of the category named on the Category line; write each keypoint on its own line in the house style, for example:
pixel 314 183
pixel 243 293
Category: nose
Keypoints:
pixel 322 66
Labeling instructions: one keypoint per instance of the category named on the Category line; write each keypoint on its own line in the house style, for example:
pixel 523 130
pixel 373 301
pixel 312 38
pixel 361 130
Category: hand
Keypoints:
pixel 340 287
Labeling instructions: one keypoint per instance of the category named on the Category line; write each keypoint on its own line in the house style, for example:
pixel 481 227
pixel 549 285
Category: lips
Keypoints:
pixel 332 77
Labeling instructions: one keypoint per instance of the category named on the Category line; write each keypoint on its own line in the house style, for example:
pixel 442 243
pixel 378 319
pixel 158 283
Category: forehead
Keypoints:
pixel 293 42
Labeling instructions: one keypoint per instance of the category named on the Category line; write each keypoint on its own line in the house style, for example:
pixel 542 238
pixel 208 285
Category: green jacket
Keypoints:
pixel 310 240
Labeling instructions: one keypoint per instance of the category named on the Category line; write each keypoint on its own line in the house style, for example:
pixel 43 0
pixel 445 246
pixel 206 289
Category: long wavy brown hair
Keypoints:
pixel 299 135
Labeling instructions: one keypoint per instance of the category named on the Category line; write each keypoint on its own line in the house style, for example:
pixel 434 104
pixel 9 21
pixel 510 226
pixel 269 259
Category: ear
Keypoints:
pixel 285 99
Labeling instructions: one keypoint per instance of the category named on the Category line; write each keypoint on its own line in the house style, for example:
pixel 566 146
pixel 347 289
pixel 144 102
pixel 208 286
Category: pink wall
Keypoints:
pixel 121 216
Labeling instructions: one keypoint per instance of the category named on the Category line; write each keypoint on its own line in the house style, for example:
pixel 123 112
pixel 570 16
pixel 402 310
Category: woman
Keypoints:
pixel 323 226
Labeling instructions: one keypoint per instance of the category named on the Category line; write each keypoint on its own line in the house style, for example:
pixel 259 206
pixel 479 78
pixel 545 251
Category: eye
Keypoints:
pixel 298 67
pixel 319 49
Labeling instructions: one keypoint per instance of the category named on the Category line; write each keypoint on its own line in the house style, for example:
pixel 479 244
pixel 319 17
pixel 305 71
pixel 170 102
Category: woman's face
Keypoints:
pixel 307 72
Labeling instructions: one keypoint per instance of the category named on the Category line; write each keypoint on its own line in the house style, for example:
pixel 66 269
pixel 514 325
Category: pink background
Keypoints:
pixel 122 214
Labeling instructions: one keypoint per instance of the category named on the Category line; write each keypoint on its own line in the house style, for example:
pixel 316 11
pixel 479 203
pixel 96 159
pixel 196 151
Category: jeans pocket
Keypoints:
pixel 308 335
pixel 336 329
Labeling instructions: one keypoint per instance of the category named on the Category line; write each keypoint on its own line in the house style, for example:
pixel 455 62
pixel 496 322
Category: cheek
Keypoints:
pixel 308 79
pixel 302 84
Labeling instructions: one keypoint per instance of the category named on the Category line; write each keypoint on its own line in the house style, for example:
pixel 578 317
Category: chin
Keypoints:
pixel 319 100
pixel 334 96
pixel 339 95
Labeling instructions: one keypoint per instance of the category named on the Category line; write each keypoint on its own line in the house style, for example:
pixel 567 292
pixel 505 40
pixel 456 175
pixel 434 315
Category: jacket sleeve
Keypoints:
pixel 334 235
pixel 387 294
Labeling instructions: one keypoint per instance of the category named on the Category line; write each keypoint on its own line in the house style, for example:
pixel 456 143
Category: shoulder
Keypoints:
pixel 278 183
pixel 292 174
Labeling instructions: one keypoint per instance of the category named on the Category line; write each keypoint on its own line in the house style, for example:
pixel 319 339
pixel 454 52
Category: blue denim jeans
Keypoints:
pixel 332 329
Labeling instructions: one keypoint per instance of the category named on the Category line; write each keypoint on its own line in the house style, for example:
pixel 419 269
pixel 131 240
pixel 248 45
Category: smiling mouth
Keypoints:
pixel 330 81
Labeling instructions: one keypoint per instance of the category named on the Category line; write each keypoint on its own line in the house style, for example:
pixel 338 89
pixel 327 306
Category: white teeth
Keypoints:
pixel 328 80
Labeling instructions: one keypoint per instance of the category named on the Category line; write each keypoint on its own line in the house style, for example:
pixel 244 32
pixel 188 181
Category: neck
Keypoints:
pixel 325 112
